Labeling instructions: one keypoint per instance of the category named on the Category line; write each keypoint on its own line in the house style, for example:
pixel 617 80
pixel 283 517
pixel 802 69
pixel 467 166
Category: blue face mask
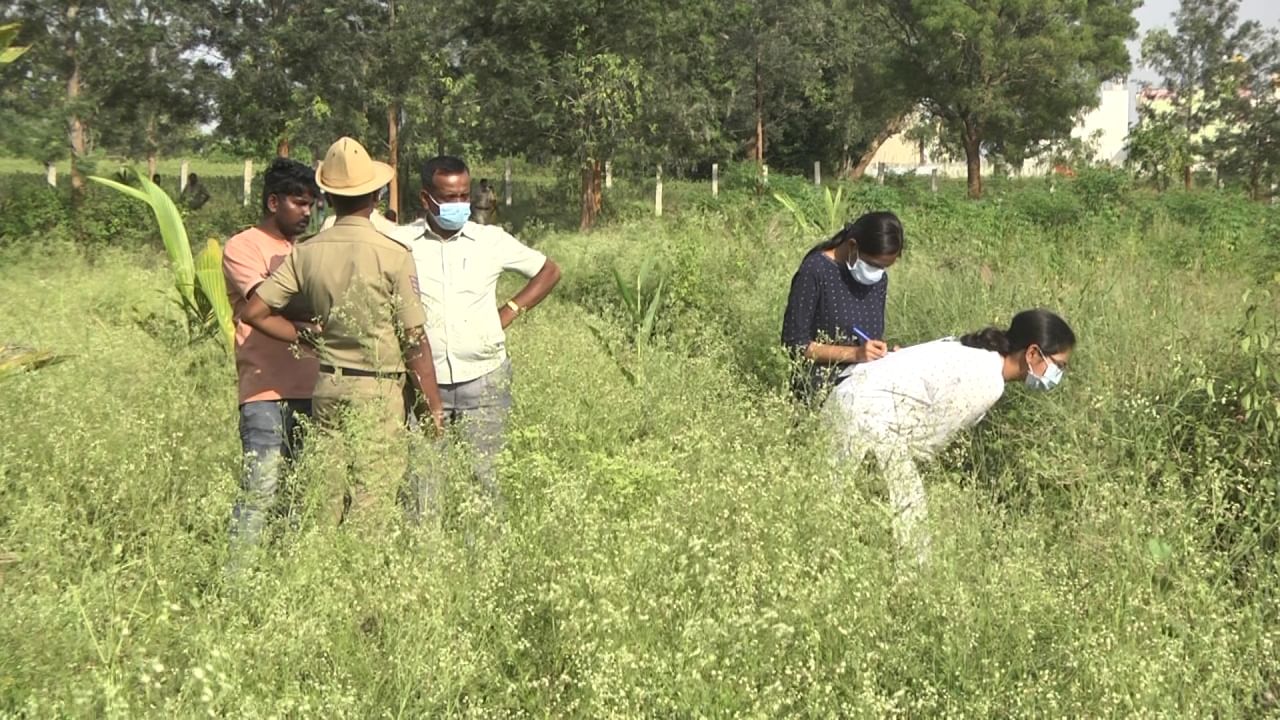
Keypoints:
pixel 1049 380
pixel 452 215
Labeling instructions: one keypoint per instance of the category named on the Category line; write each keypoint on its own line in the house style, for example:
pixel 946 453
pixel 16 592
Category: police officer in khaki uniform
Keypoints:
pixel 361 288
pixel 484 206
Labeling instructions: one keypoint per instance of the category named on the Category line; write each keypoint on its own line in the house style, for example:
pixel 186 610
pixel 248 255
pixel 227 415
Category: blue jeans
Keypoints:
pixel 271 437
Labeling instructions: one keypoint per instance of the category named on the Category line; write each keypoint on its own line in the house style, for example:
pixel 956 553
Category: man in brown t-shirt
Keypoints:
pixel 361 288
pixel 275 382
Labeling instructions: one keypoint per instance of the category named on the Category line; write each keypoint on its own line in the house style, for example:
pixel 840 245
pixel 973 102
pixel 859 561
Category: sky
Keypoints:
pixel 1159 13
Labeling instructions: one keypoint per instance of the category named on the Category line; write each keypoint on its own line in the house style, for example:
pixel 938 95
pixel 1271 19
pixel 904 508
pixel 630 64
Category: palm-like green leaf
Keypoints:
pixel 628 295
pixel 801 218
pixel 831 219
pixel 646 327
pixel 213 285
pixel 172 232
pixel 15 359
pixel 9 33
pixel 835 209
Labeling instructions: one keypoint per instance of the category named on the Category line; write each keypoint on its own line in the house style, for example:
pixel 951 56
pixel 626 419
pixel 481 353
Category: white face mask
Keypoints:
pixel 1049 380
pixel 864 273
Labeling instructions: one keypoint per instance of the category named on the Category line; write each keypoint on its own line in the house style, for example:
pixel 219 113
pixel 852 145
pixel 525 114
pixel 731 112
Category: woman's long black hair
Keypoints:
pixel 1029 327
pixel 877 233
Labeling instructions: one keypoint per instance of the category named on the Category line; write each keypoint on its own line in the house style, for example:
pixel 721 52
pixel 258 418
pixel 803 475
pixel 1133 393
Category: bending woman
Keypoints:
pixel 841 284
pixel 911 403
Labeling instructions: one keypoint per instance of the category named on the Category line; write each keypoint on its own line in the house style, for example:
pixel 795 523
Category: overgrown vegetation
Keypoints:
pixel 198 280
pixel 671 546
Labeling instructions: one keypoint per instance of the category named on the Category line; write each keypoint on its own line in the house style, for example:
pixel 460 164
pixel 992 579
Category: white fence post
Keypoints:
pixel 506 184
pixel 51 174
pixel 182 176
pixel 608 174
pixel 764 174
pixel 657 195
pixel 715 179
pixel 248 180
pixel 933 180
pixel 817 172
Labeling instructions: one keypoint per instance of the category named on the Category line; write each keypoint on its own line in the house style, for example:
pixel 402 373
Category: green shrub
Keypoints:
pixel 1212 213
pixel 1101 189
pixel 28 207
pixel 1048 210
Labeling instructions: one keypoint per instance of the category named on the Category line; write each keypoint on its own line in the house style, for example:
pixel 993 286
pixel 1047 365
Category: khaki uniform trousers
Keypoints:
pixel 363 419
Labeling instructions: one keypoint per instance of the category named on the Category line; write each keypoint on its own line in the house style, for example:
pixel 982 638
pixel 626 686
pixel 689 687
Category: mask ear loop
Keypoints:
pixel 847 233
pixel 1045 358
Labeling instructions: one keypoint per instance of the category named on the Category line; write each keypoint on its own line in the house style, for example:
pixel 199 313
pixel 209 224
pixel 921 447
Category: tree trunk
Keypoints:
pixel 393 150
pixel 973 159
pixel 393 139
pixel 282 146
pixel 864 161
pixel 75 127
pixel 592 180
pixel 1186 176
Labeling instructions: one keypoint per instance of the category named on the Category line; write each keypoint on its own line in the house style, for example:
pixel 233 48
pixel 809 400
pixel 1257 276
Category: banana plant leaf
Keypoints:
pixel 15 359
pixel 172 232
pixel 213 285
pixel 9 33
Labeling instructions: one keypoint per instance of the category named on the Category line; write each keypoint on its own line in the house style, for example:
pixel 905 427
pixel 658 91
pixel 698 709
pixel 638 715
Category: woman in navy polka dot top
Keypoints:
pixel 841 284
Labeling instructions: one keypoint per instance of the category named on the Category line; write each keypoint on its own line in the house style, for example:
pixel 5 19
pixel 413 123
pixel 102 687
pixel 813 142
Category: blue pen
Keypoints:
pixel 865 338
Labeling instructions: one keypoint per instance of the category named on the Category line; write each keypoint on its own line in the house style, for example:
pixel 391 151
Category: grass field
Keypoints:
pixel 672 546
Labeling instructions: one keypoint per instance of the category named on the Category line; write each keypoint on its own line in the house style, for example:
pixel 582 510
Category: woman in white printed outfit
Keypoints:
pixel 909 404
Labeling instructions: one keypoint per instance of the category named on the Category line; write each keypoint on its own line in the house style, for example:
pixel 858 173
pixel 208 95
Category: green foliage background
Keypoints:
pixel 673 545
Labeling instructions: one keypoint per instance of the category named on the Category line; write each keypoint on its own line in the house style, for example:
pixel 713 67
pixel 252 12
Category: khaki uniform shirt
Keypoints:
pixel 459 279
pixel 486 199
pixel 360 286
pixel 380 223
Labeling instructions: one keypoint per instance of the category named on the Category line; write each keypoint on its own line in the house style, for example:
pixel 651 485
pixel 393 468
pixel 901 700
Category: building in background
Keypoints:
pixel 1106 127
pixel 1105 130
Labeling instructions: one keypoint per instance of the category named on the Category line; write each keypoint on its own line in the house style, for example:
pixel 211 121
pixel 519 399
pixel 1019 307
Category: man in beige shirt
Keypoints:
pixel 459 263
pixel 361 288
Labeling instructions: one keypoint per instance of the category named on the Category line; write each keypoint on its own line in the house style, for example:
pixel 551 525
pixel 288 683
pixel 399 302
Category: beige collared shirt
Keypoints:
pixel 458 280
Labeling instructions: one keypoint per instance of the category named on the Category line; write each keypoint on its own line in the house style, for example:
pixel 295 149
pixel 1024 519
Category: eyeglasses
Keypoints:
pixel 1062 364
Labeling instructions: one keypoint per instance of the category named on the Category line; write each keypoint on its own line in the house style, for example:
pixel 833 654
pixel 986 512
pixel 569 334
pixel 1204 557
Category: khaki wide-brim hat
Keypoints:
pixel 348 170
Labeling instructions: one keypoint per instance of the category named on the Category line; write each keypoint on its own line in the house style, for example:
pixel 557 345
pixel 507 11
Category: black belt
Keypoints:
pixel 351 372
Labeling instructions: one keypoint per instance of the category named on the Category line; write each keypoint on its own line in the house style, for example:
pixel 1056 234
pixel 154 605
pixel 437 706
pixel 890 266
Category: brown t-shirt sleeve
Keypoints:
pixel 278 289
pixel 409 310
